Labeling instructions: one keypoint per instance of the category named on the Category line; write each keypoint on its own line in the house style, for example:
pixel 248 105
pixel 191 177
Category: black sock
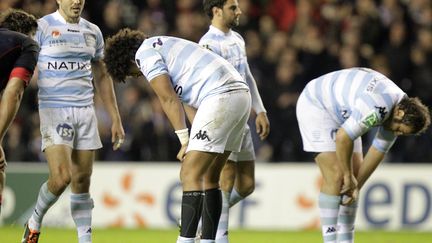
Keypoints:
pixel 211 213
pixel 191 209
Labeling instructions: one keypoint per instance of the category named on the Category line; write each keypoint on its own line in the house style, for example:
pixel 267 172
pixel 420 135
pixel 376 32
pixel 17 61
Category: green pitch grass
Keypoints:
pixel 51 235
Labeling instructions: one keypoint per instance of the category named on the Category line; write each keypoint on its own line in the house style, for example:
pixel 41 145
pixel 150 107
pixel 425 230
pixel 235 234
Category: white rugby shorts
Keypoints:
pixel 318 129
pixel 247 152
pixel 75 127
pixel 220 121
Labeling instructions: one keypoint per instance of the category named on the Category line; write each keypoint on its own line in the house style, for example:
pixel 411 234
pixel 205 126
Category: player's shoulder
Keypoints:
pixel 84 23
pixel 237 35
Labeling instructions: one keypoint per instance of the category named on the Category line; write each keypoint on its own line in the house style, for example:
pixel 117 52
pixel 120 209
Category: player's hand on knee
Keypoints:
pixel 349 189
pixel 181 154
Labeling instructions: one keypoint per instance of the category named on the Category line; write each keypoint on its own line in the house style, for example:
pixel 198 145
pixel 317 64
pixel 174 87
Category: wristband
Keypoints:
pixel 183 136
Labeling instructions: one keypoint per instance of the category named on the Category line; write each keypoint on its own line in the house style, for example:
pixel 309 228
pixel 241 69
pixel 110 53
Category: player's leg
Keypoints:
pixel 244 182
pixel 245 170
pixel 213 202
pixel 347 213
pixel 87 140
pixel 329 198
pixel 318 131
pixel 59 164
pixel 80 201
pixel 193 168
pixel 227 180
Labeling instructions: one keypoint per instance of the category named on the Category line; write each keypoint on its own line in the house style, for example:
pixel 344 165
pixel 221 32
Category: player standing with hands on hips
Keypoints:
pixel 18 58
pixel 70 62
pixel 181 71
pixel 333 112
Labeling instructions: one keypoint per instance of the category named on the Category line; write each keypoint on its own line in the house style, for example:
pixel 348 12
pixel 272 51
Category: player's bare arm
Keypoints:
pixel 172 107
pixel 10 102
pixel 104 86
pixel 344 151
pixel 370 162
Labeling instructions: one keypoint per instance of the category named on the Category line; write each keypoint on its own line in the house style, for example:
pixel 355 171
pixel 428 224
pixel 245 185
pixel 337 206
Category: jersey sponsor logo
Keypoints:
pixel 371 120
pixel 371 86
pixel 65 131
pixel 201 135
pixel 68 66
pixel 55 34
pixel 90 40
pixel 74 31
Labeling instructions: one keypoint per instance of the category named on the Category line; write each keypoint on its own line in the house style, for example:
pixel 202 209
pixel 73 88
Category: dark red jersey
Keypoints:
pixel 18 56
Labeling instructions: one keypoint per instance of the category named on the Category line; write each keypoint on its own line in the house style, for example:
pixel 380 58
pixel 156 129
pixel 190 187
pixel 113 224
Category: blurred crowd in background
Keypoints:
pixel 288 43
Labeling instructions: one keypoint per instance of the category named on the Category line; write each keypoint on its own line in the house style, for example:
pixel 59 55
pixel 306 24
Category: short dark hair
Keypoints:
pixel 209 4
pixel 120 51
pixel 416 114
pixel 19 21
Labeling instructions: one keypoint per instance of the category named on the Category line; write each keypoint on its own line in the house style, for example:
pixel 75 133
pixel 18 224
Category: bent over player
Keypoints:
pixel 18 58
pixel 182 71
pixel 333 111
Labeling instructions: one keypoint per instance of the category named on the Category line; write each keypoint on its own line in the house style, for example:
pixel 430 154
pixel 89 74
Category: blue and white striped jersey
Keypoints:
pixel 358 99
pixel 194 71
pixel 231 46
pixel 67 50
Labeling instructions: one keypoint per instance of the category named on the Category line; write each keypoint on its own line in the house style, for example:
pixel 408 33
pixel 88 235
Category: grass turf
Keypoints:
pixel 54 235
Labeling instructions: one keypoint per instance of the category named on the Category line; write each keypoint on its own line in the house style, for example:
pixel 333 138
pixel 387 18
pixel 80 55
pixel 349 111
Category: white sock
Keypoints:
pixel 81 210
pixel 346 220
pixel 234 197
pixel 185 240
pixel 44 201
pixel 329 210
pixel 222 231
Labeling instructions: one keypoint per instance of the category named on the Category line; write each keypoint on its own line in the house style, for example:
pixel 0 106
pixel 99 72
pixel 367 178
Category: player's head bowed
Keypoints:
pixel 120 52
pixel 415 114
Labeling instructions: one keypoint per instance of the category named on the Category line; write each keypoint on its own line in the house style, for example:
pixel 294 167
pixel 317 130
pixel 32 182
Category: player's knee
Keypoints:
pixel 188 175
pixel 61 178
pixel 81 177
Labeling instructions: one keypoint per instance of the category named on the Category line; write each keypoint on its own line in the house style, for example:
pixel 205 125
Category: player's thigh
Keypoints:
pixel 59 160
pixel 195 164
pixel 214 172
pixel 329 167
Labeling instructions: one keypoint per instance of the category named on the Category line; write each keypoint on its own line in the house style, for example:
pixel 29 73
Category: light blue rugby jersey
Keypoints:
pixel 67 50
pixel 194 71
pixel 231 46
pixel 358 99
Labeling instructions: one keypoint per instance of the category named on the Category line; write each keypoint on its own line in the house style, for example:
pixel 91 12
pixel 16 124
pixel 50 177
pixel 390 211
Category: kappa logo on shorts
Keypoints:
pixel 201 135
pixel 65 131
